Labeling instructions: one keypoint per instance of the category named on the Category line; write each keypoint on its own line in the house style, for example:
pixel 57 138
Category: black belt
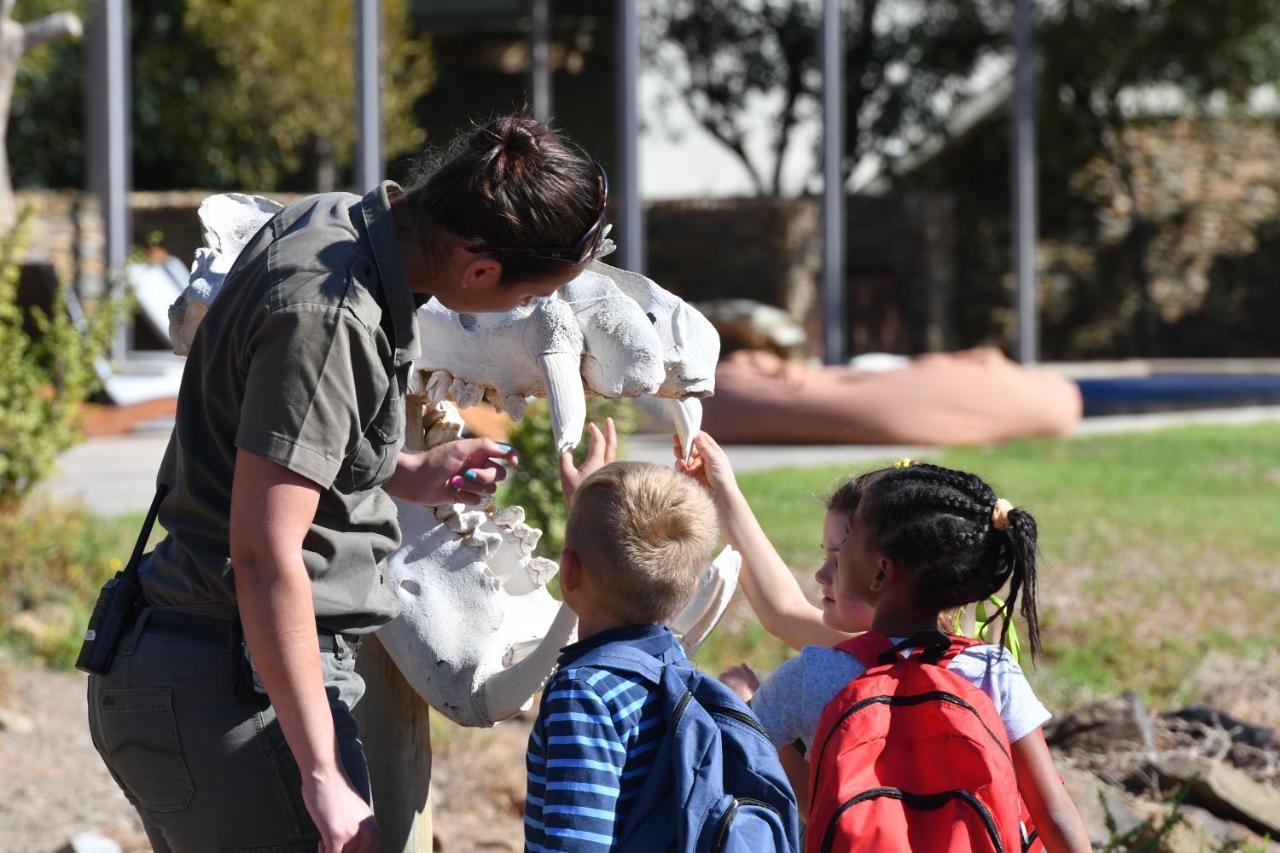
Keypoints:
pixel 228 631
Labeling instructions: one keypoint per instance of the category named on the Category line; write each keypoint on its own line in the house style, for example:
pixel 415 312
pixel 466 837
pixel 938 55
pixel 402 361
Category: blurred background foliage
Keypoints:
pixel 535 483
pixel 227 94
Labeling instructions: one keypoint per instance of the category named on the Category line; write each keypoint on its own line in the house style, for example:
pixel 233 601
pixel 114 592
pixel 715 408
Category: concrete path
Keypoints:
pixel 117 475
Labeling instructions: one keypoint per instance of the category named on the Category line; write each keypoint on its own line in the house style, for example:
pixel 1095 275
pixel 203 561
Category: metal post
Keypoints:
pixel 631 233
pixel 834 283
pixel 110 148
pixel 369 162
pixel 1023 141
pixel 540 58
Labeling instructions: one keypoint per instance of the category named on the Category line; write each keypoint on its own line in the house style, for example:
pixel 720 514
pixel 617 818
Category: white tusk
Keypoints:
pixel 565 397
pixel 687 416
pixel 702 612
pixel 509 691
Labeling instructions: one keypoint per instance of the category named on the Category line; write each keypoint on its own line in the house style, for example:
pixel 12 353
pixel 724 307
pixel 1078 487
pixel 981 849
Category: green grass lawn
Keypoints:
pixel 1155 549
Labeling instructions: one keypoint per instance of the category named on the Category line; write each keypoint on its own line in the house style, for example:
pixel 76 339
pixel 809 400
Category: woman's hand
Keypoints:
pixel 344 819
pixel 741 680
pixel 709 465
pixel 602 450
pixel 464 471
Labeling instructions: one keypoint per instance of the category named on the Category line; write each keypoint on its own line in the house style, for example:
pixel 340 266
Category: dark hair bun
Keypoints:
pixel 510 145
pixel 512 182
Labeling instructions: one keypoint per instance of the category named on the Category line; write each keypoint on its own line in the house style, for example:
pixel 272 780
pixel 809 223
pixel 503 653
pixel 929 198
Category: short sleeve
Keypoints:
pixel 1000 677
pixel 313 369
pixel 777 704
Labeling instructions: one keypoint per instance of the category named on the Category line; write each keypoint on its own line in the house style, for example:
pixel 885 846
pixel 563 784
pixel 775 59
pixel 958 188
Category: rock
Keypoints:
pixel 1100 726
pixel 1224 791
pixel 1096 799
pixel 1214 833
pixel 91 842
pixel 1240 731
pixel 12 721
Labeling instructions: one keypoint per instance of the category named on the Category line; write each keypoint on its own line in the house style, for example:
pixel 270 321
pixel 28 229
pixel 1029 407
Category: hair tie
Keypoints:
pixel 1000 514
pixel 904 462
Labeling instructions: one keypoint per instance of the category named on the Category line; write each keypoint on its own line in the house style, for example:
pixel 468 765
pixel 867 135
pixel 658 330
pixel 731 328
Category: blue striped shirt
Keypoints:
pixel 590 748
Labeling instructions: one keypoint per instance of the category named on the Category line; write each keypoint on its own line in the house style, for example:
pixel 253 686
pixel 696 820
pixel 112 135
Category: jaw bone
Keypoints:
pixel 478 633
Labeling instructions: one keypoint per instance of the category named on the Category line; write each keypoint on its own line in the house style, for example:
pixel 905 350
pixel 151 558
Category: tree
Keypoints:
pixel 1097 54
pixel 728 61
pixel 228 94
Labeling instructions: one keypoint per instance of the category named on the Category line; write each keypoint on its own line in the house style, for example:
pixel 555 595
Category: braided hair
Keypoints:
pixel 937 524
pixel 512 182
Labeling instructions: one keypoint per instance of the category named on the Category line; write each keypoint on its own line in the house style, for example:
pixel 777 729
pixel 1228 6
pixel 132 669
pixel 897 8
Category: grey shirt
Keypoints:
pixel 789 703
pixel 302 359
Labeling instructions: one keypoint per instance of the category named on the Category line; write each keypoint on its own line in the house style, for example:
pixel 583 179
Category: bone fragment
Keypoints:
pixel 687 416
pixel 511 690
pixel 702 612
pixel 443 423
pixel 438 386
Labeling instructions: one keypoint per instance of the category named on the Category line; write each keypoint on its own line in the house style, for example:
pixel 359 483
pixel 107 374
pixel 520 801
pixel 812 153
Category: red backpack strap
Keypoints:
pixel 871 647
pixel 867 647
pixel 958 645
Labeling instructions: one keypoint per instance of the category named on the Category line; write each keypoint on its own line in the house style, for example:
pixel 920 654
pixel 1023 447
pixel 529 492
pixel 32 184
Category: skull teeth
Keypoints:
pixel 438 386
pixel 686 414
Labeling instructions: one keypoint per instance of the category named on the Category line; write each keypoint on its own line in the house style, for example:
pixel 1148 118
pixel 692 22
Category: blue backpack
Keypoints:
pixel 715 783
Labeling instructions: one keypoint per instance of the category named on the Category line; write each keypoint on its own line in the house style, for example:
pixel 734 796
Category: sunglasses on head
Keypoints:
pixel 581 251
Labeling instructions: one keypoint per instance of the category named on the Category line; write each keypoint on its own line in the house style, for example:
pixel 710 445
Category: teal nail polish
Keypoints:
pixel 470 475
pixel 505 448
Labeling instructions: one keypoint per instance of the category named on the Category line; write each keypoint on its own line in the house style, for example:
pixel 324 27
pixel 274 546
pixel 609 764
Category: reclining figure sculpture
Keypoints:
pixel 479 633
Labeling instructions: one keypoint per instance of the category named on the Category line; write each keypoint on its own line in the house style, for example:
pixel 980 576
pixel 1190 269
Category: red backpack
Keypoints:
pixel 911 756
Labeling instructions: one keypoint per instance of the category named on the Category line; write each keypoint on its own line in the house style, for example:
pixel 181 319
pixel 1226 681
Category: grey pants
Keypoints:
pixel 198 752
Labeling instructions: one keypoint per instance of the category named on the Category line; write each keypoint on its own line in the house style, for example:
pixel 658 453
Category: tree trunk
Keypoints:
pixel 395 725
pixel 395 729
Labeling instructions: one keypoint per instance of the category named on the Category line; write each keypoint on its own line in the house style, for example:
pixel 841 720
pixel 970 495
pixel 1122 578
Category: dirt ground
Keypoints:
pixel 53 786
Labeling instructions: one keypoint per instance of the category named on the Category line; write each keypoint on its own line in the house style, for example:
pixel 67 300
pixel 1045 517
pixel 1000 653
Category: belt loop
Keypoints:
pixel 340 647
pixel 131 639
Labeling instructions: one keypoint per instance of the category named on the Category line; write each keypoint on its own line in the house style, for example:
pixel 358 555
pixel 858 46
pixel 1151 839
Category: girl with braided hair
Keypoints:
pixel 902 545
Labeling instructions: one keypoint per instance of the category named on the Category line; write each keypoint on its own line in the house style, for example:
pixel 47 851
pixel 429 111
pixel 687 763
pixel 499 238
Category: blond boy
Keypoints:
pixel 637 537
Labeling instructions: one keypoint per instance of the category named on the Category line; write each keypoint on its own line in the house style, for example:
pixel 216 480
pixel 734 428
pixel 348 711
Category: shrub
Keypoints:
pixel 535 483
pixel 45 378
pixel 54 560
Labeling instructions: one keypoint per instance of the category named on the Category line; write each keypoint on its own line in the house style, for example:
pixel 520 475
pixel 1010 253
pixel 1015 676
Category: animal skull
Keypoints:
pixel 608 331
pixel 478 633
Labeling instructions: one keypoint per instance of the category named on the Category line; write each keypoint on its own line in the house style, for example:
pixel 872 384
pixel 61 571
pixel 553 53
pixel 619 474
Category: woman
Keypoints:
pixel 285 448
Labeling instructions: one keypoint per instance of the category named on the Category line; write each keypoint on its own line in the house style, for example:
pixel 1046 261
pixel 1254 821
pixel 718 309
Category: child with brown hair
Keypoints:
pixel 902 544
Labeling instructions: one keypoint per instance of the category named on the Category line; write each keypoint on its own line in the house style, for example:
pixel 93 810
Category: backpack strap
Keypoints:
pixel 624 658
pixel 873 648
pixel 867 647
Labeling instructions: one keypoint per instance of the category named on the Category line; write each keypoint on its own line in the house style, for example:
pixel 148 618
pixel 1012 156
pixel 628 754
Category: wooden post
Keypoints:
pixel 395 725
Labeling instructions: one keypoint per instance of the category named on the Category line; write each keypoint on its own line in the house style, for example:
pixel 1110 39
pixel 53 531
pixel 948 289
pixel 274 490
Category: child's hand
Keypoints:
pixel 708 464
pixel 741 680
pixel 602 451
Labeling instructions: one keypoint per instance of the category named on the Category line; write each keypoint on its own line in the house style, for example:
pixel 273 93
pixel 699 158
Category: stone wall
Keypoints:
pixel 1211 190
pixel 900 262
